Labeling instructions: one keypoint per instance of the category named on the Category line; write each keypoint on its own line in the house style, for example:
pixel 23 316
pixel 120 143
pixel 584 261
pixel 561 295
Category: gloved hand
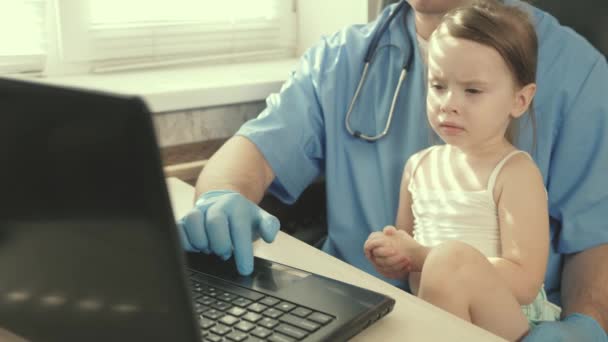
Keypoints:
pixel 223 221
pixel 576 327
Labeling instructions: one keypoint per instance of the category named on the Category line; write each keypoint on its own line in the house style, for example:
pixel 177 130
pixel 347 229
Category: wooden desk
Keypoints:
pixel 412 319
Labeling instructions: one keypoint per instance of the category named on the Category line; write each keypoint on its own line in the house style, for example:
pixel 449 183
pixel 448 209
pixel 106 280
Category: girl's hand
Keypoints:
pixel 386 259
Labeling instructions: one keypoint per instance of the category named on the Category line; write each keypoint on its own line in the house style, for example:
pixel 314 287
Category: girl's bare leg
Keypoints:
pixel 459 279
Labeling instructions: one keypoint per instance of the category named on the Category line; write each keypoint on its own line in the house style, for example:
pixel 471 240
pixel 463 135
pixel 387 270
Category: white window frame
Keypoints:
pixel 71 56
pixel 30 61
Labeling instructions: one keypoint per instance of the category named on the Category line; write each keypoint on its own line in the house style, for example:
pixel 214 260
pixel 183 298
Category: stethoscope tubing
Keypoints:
pixel 372 49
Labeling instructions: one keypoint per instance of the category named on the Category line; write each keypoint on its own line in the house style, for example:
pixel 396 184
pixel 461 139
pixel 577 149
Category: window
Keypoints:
pixel 22 35
pixel 117 34
pixel 107 35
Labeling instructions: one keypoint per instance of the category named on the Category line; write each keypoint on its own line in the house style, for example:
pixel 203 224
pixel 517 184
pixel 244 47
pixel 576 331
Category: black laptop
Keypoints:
pixel 89 249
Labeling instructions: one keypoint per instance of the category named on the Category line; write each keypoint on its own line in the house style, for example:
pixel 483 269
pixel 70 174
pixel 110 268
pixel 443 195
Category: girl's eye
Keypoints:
pixel 437 86
pixel 473 91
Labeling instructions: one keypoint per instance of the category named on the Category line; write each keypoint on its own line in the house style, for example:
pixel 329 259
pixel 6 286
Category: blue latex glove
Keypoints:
pixel 576 327
pixel 223 221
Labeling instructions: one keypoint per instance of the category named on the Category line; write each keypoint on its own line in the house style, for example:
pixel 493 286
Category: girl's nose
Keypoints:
pixel 449 103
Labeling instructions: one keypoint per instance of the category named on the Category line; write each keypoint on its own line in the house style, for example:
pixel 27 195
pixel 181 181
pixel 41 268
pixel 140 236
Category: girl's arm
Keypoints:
pixel 524 228
pixel 405 218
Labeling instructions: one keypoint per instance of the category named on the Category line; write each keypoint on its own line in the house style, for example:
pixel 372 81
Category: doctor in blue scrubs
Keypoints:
pixel 325 121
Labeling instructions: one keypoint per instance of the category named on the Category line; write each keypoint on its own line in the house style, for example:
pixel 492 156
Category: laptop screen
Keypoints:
pixel 88 249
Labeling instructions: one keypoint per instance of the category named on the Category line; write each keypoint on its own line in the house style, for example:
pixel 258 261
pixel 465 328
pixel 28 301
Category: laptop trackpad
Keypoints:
pixel 266 275
pixel 274 276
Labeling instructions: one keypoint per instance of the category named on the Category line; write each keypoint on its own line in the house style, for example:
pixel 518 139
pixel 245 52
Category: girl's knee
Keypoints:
pixel 455 254
pixel 450 266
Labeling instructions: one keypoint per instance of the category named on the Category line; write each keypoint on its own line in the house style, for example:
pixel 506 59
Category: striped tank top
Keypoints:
pixel 467 216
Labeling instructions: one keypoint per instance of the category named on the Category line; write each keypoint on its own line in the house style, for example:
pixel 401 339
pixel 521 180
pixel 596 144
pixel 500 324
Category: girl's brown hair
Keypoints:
pixel 508 30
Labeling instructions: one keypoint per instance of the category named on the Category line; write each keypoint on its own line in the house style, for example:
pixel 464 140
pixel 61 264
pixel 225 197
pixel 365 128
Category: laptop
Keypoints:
pixel 89 249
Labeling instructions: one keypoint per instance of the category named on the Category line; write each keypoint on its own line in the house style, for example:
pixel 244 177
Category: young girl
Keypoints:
pixel 472 228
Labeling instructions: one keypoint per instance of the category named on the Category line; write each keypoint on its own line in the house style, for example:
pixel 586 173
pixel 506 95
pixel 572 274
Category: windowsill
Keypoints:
pixel 183 88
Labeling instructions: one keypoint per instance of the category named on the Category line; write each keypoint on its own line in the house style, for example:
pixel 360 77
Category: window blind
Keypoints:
pixel 117 34
pixel 22 36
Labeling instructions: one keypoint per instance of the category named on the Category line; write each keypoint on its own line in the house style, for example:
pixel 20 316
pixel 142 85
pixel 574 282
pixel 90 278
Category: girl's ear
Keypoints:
pixel 523 98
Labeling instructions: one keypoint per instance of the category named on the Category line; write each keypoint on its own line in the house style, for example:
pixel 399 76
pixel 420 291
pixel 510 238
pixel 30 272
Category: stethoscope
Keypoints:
pixel 369 57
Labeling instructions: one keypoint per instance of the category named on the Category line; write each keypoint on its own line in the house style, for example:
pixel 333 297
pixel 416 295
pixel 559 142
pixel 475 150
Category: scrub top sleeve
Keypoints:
pixel 578 180
pixel 290 131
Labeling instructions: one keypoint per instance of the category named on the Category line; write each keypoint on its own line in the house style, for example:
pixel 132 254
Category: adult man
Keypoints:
pixel 302 134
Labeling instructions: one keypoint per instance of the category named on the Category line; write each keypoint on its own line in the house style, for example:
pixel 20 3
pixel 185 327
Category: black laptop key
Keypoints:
pixel 320 318
pixel 213 314
pixel 268 322
pixel 280 338
pixel 213 338
pixel 253 339
pixel 236 336
pixel 285 306
pixel 300 322
pixel 252 317
pixel 272 313
pixel 291 331
pixel 226 287
pixel 301 312
pixel 229 320
pixel 206 323
pixel 220 329
pixel 210 291
pixel 206 300
pixel 270 301
pixel 236 311
pixel 226 296
pixel 200 308
pixel 222 306
pixel 241 302
pixel 261 332
pixel 244 326
pixel 257 307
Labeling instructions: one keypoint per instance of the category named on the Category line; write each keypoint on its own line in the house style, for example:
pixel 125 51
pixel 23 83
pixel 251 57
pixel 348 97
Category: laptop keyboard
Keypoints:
pixel 234 314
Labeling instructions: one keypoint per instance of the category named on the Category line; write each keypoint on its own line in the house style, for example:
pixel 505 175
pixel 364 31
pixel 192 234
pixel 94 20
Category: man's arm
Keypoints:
pixel 584 284
pixel 225 218
pixel 239 166
pixel 584 300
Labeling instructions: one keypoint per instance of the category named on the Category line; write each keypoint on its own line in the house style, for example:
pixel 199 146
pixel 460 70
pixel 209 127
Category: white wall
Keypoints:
pixel 321 17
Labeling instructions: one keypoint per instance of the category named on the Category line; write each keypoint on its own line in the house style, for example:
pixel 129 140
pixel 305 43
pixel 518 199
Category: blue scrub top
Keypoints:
pixel 302 135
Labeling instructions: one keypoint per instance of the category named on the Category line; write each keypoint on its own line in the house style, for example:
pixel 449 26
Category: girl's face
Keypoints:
pixel 472 96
